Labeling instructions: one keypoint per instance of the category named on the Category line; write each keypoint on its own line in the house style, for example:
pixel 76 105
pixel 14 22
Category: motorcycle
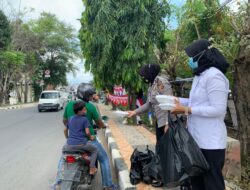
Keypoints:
pixel 75 170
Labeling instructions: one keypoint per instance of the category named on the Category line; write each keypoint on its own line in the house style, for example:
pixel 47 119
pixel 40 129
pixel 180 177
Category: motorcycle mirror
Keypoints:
pixel 105 118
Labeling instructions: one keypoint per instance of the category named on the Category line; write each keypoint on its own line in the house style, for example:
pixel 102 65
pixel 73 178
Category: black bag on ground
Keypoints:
pixel 172 169
pixel 139 166
pixel 145 174
pixel 180 156
pixel 135 173
pixel 154 170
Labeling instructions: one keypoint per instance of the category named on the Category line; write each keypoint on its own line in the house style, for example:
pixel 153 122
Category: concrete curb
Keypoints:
pixel 118 163
pixel 10 107
pixel 18 106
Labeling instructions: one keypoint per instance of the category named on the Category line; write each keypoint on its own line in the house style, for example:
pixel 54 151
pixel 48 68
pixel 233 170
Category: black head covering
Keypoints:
pixel 150 71
pixel 211 57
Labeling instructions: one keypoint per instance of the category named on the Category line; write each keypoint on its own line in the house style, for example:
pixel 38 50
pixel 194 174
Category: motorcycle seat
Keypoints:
pixel 73 152
pixel 69 149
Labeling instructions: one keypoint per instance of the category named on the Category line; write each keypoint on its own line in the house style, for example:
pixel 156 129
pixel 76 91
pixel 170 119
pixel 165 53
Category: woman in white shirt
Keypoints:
pixel 206 109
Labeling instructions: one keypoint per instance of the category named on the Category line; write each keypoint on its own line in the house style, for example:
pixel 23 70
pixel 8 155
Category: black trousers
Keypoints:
pixel 213 179
pixel 159 133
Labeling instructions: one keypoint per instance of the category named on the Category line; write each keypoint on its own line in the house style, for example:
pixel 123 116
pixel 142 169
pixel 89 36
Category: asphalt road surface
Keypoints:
pixel 30 147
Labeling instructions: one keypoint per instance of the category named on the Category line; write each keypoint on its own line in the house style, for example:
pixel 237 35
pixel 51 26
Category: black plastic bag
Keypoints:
pixel 173 173
pixel 193 160
pixel 145 174
pixel 134 176
pixel 135 173
pixel 139 166
pixel 154 169
pixel 180 156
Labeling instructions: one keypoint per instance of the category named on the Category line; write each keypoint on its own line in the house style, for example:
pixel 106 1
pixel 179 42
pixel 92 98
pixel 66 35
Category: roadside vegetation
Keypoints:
pixel 29 48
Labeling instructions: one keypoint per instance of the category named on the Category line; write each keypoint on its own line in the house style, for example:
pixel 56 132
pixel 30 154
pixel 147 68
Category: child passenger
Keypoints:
pixel 78 134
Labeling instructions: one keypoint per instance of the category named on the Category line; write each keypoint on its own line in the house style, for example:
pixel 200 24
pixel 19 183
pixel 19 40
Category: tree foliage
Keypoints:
pixel 119 37
pixel 45 43
pixel 4 31
pixel 59 47
pixel 242 77
pixel 10 63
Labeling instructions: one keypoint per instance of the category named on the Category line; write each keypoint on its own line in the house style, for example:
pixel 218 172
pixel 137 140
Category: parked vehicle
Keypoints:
pixel 75 170
pixel 51 100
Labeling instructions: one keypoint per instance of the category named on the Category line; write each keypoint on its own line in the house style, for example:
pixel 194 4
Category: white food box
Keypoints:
pixel 167 106
pixel 121 113
pixel 166 99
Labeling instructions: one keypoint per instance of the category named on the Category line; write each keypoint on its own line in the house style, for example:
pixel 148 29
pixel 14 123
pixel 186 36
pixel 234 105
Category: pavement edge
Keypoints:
pixel 18 106
pixel 118 163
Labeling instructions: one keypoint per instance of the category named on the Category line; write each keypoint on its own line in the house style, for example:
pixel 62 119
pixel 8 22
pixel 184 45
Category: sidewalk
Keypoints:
pixel 122 140
pixel 17 106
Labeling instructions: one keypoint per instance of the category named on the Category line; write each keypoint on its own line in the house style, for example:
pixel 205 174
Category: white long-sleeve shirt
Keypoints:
pixel 208 102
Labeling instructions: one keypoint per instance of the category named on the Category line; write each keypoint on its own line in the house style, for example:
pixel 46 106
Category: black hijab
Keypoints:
pixel 211 56
pixel 149 72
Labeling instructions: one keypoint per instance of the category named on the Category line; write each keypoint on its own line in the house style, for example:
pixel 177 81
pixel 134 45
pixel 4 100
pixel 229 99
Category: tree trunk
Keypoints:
pixel 129 100
pixel 133 106
pixel 113 106
pixel 5 86
pixel 132 103
pixel 197 31
pixel 19 98
pixel 25 89
pixel 242 93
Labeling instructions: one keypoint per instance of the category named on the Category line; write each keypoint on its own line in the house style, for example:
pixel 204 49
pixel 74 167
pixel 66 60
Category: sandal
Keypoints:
pixel 92 171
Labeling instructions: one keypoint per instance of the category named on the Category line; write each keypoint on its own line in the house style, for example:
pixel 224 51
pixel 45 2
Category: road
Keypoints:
pixel 30 146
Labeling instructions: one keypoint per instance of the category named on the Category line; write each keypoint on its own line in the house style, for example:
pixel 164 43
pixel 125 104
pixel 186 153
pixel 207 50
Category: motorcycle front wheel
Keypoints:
pixel 67 185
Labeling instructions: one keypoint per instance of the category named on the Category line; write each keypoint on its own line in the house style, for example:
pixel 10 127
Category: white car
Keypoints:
pixel 51 100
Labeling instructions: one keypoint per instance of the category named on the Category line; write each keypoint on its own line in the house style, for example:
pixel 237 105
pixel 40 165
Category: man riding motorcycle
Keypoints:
pixel 85 93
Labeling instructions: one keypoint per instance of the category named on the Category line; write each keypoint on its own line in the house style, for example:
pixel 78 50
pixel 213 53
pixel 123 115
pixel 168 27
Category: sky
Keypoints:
pixel 66 10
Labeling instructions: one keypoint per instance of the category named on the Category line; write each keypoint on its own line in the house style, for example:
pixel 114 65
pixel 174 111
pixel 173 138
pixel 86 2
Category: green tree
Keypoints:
pixel 241 23
pixel 4 31
pixel 5 34
pixel 10 62
pixel 24 40
pixel 59 47
pixel 190 20
pixel 203 19
pixel 117 38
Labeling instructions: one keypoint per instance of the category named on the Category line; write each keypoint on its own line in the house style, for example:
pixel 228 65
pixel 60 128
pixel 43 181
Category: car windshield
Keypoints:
pixel 49 95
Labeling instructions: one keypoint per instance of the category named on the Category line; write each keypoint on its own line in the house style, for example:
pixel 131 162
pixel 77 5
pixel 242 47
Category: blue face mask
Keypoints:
pixel 194 64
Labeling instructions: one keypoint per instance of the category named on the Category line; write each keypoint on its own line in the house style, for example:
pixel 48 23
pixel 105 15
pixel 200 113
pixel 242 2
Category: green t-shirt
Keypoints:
pixel 92 113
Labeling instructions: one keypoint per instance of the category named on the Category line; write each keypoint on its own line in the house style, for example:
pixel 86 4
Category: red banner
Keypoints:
pixel 117 100
pixel 118 90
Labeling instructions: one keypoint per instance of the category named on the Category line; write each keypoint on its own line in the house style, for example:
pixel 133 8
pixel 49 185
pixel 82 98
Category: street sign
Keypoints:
pixel 47 73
